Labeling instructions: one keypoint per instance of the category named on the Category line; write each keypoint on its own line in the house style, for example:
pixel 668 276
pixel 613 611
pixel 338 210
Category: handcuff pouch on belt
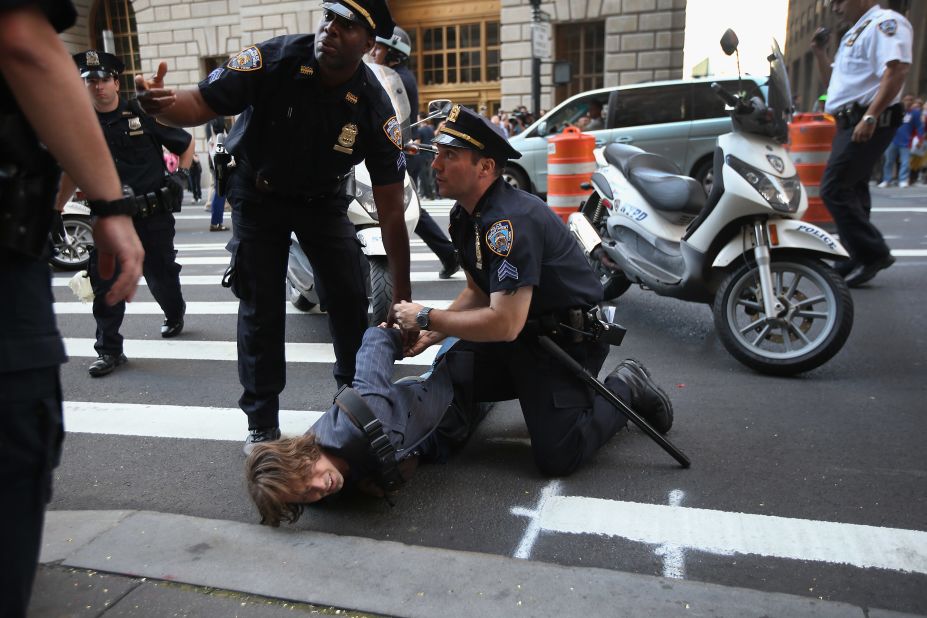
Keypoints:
pixel 154 202
pixel 29 179
pixel 388 476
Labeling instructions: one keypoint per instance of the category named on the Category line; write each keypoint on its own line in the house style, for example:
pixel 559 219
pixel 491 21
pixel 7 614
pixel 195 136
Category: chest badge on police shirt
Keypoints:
pixel 135 123
pixel 346 139
pixel 248 59
pixel 856 33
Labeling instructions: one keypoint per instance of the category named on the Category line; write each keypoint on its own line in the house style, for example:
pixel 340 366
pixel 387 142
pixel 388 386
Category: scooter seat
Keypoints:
pixel 661 184
pixel 619 155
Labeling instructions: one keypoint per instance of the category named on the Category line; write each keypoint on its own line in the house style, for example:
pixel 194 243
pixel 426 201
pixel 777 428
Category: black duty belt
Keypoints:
pixel 153 202
pixel 267 186
pixel 849 116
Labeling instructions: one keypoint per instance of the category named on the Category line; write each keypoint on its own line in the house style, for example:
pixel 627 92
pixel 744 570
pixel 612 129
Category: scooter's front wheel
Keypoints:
pixel 73 251
pixel 381 290
pixel 813 326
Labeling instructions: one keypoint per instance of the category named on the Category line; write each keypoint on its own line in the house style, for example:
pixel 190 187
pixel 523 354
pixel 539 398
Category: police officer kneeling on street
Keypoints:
pixel 310 110
pixel 135 142
pixel 526 276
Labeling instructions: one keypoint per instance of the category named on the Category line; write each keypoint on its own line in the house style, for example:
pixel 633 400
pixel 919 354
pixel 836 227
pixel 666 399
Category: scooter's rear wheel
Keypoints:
pixel 816 322
pixel 73 255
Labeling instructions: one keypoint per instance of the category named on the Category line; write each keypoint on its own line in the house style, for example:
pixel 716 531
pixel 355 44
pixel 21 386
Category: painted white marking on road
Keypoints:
pixel 224 259
pixel 220 246
pixel 674 556
pixel 196 308
pixel 163 421
pixel 900 208
pixel 909 252
pixel 179 349
pixel 420 276
pixel 523 551
pixel 720 532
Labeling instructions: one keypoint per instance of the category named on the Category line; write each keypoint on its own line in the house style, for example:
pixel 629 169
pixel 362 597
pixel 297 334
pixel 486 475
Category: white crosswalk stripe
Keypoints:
pixel 194 308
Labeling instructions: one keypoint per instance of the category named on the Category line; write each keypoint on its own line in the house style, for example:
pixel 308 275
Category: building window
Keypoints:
pixel 583 46
pixel 118 17
pixel 456 54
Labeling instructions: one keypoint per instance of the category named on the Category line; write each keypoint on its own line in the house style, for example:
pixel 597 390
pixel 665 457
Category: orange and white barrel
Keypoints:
pixel 810 137
pixel 570 163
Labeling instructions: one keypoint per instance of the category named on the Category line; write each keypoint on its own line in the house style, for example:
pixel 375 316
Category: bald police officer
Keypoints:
pixel 310 110
pixel 863 93
pixel 135 142
pixel 35 76
pixel 524 270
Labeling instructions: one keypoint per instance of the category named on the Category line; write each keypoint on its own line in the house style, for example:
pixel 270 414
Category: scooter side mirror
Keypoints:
pixel 439 107
pixel 729 42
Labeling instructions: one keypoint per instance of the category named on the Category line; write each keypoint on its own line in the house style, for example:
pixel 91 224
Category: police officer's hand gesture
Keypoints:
pixel 152 95
pixel 184 108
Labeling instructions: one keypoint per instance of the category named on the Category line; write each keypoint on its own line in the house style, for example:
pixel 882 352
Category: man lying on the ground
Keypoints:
pixel 419 419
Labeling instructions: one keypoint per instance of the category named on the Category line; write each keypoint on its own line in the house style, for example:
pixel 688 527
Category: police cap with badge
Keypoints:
pixel 93 63
pixel 374 14
pixel 464 128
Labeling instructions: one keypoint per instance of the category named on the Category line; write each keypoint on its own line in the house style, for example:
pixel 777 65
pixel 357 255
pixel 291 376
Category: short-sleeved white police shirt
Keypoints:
pixel 879 37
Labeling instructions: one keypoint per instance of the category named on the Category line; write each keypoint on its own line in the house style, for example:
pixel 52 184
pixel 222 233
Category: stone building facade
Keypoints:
pixel 626 41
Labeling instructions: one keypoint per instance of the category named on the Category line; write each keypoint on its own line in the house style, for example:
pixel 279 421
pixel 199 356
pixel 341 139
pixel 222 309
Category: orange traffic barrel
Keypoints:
pixel 570 163
pixel 810 137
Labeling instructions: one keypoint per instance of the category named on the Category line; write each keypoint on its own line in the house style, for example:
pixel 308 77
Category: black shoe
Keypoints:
pixel 260 435
pixel 172 328
pixel 867 271
pixel 845 267
pixel 106 363
pixel 449 267
pixel 647 399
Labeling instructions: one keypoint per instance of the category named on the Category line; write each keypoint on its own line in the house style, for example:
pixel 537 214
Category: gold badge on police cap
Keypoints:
pixel 347 138
pixel 455 111
pixel 92 59
pixel 135 123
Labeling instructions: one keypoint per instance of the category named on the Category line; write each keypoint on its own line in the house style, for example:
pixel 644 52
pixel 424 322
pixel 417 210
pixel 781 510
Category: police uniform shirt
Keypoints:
pixel 60 13
pixel 31 339
pixel 135 140
pixel 521 242
pixel 298 135
pixel 879 37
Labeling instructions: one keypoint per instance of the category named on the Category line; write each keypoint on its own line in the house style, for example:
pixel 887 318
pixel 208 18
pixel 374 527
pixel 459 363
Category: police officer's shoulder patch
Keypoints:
pixel 889 27
pixel 393 131
pixel 500 237
pixel 248 59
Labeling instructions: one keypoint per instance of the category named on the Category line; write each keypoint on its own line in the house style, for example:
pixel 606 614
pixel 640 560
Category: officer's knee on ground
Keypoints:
pixel 555 461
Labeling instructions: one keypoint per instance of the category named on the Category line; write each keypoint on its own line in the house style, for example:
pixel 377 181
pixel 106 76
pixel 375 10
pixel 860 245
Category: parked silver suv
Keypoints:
pixel 678 119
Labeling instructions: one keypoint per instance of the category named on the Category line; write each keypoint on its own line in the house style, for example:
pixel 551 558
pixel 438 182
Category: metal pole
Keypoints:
pixel 535 64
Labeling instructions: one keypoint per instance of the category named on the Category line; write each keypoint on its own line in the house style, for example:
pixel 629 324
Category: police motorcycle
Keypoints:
pixel 778 307
pixel 72 236
pixel 362 212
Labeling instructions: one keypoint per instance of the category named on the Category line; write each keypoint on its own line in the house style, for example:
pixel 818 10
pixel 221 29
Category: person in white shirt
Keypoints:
pixel 864 82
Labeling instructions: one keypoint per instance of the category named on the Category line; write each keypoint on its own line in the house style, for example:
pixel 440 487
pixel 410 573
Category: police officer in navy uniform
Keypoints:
pixel 135 142
pixel 524 271
pixel 36 75
pixel 863 92
pixel 310 110
pixel 394 52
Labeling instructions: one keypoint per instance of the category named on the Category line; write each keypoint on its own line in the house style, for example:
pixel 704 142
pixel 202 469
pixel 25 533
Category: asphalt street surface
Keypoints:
pixel 773 459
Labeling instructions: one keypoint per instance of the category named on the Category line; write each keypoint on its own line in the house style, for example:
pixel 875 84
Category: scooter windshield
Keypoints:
pixel 780 92
pixel 392 84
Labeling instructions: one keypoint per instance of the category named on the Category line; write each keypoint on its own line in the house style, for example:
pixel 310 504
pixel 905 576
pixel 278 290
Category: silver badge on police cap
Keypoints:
pixel 92 59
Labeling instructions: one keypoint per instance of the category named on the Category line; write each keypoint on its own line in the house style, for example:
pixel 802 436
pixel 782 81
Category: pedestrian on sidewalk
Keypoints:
pixel 864 84
pixel 215 133
pixel 37 134
pixel 899 150
pixel 196 175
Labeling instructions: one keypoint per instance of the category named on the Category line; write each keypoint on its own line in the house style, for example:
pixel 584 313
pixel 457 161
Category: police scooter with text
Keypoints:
pixel 778 307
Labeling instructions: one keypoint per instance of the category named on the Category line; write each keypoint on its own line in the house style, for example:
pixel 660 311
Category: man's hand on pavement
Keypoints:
pixel 115 239
pixel 152 95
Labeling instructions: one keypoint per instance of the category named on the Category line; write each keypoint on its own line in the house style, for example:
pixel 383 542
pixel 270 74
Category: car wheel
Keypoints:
pixel 517 178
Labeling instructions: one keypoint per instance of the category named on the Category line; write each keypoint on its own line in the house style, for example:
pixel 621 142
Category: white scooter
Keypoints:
pixel 72 237
pixel 778 307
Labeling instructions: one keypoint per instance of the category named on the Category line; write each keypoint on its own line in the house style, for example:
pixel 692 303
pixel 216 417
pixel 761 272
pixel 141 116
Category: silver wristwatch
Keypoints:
pixel 423 319
pixel 869 119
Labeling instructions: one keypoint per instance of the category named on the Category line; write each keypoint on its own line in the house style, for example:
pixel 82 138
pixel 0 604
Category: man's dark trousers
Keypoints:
pixel 162 273
pixel 845 192
pixel 260 248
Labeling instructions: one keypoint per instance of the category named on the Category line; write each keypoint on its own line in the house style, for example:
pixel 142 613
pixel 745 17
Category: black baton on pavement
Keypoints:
pixel 581 372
